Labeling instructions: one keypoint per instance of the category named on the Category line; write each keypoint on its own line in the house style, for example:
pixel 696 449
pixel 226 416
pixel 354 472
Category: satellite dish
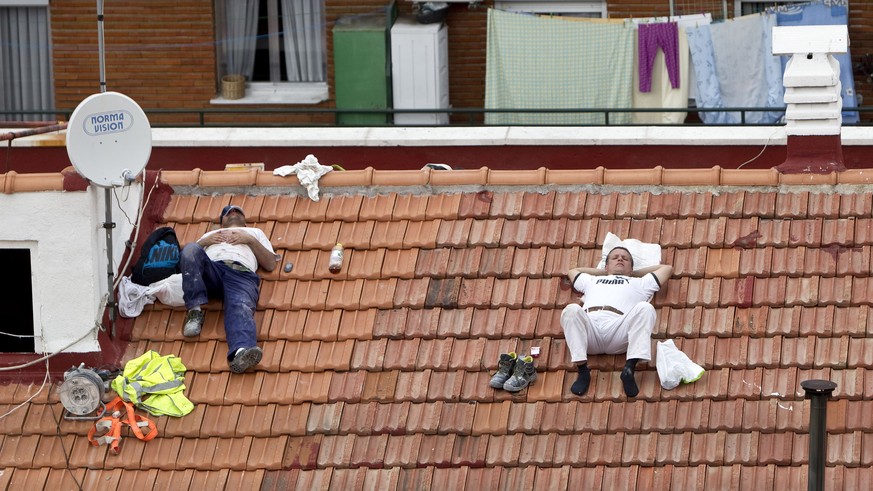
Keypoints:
pixel 109 139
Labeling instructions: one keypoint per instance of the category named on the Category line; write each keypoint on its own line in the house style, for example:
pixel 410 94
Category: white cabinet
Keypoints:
pixel 420 71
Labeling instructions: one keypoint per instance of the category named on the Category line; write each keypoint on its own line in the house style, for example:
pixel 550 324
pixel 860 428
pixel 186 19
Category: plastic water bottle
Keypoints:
pixel 336 259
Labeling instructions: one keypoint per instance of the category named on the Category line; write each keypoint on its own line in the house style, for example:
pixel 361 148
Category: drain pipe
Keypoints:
pixel 818 392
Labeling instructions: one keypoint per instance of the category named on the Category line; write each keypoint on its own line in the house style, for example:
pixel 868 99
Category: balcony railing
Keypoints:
pixel 307 117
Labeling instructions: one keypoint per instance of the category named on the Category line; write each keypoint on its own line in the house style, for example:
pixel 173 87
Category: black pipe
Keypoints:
pixel 818 392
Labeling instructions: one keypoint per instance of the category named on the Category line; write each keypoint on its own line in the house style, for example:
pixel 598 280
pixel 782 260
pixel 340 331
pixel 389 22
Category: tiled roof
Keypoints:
pixel 377 377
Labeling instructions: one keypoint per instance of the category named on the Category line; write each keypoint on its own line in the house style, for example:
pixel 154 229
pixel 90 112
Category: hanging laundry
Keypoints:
pixel 652 38
pixel 549 63
pixel 663 94
pixel 737 74
pixel 830 12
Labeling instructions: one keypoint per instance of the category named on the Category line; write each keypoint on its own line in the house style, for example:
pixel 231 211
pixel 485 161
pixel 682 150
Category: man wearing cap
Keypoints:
pixel 616 316
pixel 222 264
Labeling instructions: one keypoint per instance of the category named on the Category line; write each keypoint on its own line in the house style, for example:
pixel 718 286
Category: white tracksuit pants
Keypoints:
pixel 604 332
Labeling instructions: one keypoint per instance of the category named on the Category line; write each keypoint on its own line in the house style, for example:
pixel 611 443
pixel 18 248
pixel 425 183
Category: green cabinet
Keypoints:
pixel 362 67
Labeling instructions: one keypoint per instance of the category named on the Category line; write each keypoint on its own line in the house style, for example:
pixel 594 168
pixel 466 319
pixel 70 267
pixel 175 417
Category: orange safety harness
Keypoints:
pixel 120 413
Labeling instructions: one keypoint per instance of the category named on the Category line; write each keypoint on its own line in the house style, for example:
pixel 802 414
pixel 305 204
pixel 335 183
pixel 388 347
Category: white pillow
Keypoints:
pixel 644 254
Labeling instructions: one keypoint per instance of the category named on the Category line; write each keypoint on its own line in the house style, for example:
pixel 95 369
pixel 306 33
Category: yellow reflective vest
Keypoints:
pixel 154 383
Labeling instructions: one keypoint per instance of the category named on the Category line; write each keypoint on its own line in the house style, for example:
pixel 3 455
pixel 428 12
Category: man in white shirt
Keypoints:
pixel 222 264
pixel 616 316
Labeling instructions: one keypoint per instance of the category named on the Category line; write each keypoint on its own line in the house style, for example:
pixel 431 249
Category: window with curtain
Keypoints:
pixel 278 45
pixel 26 82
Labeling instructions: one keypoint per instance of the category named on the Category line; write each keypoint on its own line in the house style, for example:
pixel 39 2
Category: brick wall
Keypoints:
pixel 159 52
pixel 162 53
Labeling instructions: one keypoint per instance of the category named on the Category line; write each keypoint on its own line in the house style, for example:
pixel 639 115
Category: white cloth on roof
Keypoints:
pixel 132 298
pixel 308 172
pixel 644 254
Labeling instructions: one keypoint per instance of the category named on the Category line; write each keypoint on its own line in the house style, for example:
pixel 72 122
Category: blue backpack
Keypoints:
pixel 158 258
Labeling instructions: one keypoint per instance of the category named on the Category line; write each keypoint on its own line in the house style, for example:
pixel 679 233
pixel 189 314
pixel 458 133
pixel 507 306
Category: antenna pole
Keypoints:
pixel 100 49
pixel 108 225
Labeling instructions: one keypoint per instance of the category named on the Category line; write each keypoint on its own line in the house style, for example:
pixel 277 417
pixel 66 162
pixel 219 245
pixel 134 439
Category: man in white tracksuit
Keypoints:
pixel 616 316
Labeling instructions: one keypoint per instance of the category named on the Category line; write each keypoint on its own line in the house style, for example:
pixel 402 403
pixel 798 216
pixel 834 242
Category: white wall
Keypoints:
pixel 64 231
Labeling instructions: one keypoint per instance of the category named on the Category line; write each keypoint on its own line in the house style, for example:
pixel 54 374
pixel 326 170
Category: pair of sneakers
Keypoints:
pixel 514 372
pixel 243 358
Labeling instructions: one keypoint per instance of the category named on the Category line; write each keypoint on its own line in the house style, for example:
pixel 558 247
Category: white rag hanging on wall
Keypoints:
pixel 308 172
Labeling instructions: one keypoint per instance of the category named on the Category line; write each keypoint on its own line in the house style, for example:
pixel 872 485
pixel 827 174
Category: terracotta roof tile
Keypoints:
pixel 369 451
pixel 347 386
pixel 520 233
pixel 324 418
pixel 412 386
pixel 343 207
pixel 456 418
pixel 443 206
pixel 313 387
pixel 379 418
pixel 708 233
pixel 677 233
pixel 582 232
pixel 824 205
pixel 403 450
pixel 432 353
pixel 436 450
pixel 570 449
pixel 792 205
pixel 356 235
pixel 421 234
pixel 634 205
pixel 475 205
pixel 605 449
pixel 366 264
pixel 504 449
pixel 313 211
pixel 228 452
pixel 640 448
pixel 423 323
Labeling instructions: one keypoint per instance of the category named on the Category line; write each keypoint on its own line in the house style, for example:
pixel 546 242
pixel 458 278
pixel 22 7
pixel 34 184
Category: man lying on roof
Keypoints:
pixel 616 316
pixel 222 265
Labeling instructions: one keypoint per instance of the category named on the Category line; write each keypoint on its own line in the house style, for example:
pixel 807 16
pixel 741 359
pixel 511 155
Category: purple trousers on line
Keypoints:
pixel 651 37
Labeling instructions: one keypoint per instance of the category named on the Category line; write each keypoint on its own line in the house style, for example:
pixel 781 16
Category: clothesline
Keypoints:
pixel 621 66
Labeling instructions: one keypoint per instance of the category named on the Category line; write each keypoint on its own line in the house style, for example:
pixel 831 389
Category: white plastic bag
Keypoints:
pixel 674 366
pixel 132 298
pixel 169 290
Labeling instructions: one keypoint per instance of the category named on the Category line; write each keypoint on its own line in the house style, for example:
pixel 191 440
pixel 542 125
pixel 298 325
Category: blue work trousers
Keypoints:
pixel 203 278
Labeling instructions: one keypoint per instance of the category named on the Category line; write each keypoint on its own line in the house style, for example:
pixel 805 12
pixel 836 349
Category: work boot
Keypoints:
pixel 504 369
pixel 524 374
pixel 244 358
pixel 193 323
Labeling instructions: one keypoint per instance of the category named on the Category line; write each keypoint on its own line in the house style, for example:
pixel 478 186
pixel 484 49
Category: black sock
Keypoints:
pixel 580 386
pixel 627 378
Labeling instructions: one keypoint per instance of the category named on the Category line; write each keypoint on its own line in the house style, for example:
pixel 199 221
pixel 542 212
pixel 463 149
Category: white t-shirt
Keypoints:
pixel 240 253
pixel 621 292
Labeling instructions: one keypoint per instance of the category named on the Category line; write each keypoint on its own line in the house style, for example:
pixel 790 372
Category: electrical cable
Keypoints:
pixel 17 335
pixel 136 227
pixel 44 380
pixel 61 438
pixel 51 355
pixel 762 150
